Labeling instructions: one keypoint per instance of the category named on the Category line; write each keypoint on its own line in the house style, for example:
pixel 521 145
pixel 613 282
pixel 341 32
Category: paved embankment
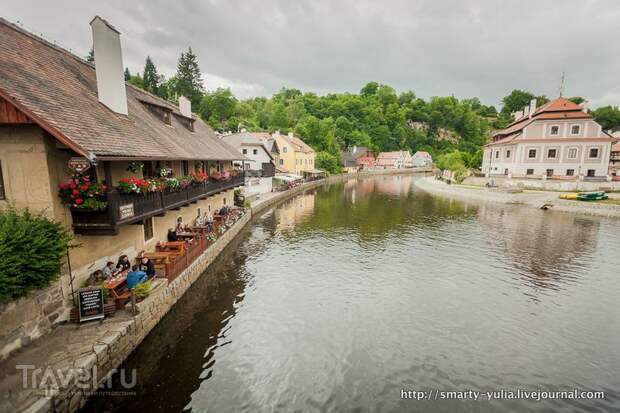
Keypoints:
pixel 65 366
pixel 535 199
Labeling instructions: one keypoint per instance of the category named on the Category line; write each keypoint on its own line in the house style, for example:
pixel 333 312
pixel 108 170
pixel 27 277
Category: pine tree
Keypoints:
pixel 150 78
pixel 127 74
pixel 91 55
pixel 189 78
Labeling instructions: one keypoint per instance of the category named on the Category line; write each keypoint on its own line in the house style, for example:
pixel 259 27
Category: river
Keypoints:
pixel 342 297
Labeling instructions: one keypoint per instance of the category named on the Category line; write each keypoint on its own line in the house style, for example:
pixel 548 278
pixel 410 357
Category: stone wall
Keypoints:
pixel 28 318
pixel 546 184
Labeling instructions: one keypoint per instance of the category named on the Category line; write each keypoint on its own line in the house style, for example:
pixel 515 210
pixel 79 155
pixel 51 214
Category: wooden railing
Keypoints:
pixel 129 208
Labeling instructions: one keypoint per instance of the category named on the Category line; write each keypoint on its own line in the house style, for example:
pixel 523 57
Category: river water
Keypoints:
pixel 342 297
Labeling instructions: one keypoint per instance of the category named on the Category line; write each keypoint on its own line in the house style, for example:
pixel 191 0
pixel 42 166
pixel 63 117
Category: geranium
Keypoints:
pixel 200 177
pixel 80 192
pixel 136 185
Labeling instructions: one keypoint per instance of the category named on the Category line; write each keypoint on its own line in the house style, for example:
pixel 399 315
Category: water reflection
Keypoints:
pixel 546 249
pixel 337 299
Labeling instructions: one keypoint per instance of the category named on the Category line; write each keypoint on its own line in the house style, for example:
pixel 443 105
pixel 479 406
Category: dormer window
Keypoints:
pixel 575 129
pixel 166 118
pixel 554 130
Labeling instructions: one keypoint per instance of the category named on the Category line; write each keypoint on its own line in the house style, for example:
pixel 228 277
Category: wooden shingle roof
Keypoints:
pixel 58 90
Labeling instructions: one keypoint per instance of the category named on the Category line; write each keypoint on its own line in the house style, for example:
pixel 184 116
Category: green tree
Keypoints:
pixel 127 74
pixel 32 250
pixel 91 55
pixel 188 77
pixel 150 78
pixel 607 116
pixel 328 162
pixel 217 107
pixel 518 99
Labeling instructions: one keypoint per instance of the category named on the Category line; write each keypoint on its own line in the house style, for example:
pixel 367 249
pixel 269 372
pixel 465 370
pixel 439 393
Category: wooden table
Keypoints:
pixel 176 247
pixel 159 257
pixel 117 287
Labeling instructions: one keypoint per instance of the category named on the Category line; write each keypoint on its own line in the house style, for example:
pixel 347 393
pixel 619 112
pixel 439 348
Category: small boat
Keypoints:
pixel 592 196
pixel 570 195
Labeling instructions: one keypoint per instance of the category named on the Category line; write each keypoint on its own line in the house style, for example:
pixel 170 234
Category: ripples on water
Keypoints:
pixel 340 297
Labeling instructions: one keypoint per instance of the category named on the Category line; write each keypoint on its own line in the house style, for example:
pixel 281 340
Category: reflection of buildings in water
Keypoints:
pixel 545 247
pixel 396 186
pixel 294 210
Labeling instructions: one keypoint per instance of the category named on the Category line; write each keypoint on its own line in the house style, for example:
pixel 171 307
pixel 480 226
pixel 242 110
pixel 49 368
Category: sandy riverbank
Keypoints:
pixel 534 199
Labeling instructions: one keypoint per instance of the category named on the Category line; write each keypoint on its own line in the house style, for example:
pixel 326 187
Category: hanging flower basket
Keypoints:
pixel 81 192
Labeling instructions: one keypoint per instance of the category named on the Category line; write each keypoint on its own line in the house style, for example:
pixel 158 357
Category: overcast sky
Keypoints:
pixel 435 48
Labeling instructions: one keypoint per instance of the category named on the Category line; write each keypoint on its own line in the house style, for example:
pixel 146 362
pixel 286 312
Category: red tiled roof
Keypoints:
pixel 58 90
pixel 559 108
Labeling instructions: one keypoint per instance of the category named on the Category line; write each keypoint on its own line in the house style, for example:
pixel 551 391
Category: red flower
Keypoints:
pixel 79 201
pixel 72 185
pixel 75 192
pixel 63 186
pixel 85 187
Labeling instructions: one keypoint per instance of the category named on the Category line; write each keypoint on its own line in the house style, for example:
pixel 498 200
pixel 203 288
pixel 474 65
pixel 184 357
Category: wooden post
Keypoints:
pixel 107 169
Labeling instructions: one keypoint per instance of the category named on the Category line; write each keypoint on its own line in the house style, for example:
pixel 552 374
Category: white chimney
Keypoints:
pixel 584 106
pixel 290 134
pixel 185 107
pixel 518 115
pixel 109 65
pixel 532 107
pixel 354 149
pixel 526 111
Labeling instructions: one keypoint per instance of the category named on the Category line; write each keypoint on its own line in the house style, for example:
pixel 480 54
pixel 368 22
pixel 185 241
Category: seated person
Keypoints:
pixel 147 266
pixel 135 277
pixel 109 270
pixel 172 235
pixel 123 263
pixel 198 221
pixel 96 278
pixel 179 227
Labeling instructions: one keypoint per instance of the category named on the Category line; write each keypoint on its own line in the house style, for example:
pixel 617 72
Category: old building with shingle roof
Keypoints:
pixel 114 162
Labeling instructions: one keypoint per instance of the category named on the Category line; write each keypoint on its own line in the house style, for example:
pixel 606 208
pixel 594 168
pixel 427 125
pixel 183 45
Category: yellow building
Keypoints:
pixel 296 157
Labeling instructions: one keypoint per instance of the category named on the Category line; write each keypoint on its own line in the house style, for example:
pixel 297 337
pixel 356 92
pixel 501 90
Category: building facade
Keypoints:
pixel 559 140
pixel 356 158
pixel 422 159
pixel 259 167
pixel 394 160
pixel 67 125
pixel 296 157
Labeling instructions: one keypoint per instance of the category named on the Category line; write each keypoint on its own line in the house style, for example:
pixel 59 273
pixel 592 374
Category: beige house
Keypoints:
pixel 296 156
pixel 60 114
pixel 394 160
pixel 559 140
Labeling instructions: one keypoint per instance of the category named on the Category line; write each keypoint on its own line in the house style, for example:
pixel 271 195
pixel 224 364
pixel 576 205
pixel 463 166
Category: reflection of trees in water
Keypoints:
pixel 378 208
pixel 546 248
pixel 166 364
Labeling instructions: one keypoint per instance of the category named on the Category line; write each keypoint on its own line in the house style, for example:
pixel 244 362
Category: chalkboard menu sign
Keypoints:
pixel 90 301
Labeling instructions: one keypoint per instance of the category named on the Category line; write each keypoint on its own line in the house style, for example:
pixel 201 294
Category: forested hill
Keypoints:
pixel 377 117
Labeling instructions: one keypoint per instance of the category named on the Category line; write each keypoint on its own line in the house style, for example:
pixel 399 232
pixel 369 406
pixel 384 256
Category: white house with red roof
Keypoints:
pixel 559 140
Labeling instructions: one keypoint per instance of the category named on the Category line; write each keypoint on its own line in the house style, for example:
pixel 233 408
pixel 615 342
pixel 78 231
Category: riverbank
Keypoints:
pixel 536 199
pixel 71 362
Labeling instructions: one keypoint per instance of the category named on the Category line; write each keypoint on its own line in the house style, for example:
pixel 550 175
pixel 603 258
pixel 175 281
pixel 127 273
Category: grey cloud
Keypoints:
pixel 461 47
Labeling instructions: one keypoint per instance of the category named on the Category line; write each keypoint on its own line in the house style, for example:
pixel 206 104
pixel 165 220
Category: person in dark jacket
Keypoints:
pixel 147 266
pixel 123 263
pixel 172 235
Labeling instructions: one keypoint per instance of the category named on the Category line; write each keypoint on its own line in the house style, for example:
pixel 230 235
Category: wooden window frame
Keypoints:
pixel 2 187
